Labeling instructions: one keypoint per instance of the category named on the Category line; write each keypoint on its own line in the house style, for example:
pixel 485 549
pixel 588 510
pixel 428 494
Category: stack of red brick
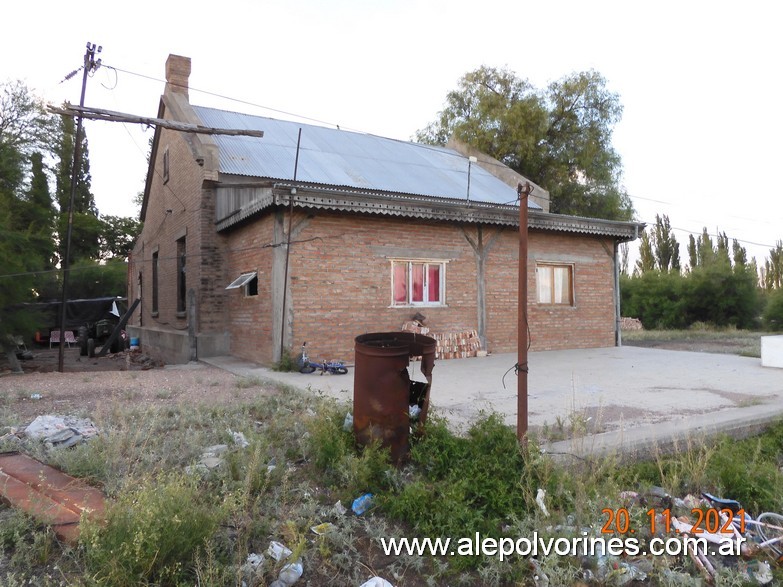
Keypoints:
pixel 450 345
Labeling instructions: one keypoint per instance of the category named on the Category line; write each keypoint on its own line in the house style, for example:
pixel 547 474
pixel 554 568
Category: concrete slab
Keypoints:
pixel 625 397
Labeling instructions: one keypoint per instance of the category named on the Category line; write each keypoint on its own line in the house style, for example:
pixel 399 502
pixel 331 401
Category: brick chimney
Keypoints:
pixel 177 74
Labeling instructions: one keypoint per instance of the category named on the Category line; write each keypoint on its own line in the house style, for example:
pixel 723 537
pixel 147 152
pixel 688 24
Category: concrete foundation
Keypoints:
pixel 173 347
pixel 772 351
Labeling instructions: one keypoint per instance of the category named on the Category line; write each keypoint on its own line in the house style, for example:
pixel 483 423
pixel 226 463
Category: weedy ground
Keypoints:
pixel 700 337
pixel 166 526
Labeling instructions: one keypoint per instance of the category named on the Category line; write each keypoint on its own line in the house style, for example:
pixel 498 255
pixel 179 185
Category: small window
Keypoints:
pixel 155 283
pixel 166 165
pixel 249 281
pixel 181 281
pixel 555 284
pixel 417 283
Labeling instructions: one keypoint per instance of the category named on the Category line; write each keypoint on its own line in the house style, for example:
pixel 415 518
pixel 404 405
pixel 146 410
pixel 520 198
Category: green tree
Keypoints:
pixel 773 267
pixel 24 129
pixel 646 260
pixel 559 137
pixel 118 235
pixel 35 212
pixel 86 230
pixel 739 254
pixel 693 255
pixel 667 249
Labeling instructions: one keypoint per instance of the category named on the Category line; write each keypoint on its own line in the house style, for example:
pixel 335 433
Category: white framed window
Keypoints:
pixel 247 281
pixel 418 283
pixel 555 284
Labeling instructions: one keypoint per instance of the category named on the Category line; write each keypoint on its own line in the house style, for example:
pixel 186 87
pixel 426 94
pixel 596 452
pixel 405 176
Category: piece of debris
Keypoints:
pixel 376 582
pixel 60 431
pixel 362 504
pixel 278 551
pixel 540 496
pixel 239 439
pixel 290 574
pixel 324 528
pixel 348 422
pixel 339 508
pixel 53 497
pixel 251 570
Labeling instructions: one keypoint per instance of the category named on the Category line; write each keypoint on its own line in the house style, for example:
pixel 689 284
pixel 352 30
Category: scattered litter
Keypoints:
pixel 290 573
pixel 324 528
pixel 763 574
pixel 60 431
pixel 278 551
pixel 362 504
pixel 211 458
pixel 376 582
pixel 540 578
pixel 251 570
pixel 348 422
pixel 339 508
pixel 36 396
pixel 255 560
pixel 414 412
pixel 239 439
pixel 540 496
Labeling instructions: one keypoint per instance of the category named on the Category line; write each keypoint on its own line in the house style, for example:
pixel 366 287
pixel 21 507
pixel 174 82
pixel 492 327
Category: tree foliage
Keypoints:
pixel 118 235
pixel 31 225
pixel 720 289
pixel 773 268
pixel 560 136
pixel 86 229
pixel 659 249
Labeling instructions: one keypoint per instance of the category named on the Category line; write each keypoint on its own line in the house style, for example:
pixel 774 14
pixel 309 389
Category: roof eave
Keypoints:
pixel 420 207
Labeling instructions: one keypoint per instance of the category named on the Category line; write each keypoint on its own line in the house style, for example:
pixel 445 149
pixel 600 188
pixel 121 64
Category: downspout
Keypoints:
pixel 618 337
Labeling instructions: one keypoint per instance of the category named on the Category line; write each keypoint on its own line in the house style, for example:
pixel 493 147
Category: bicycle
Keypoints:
pixel 307 366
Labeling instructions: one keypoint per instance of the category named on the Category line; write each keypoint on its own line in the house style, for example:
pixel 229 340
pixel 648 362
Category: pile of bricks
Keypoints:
pixel 456 345
pixel 450 345
pixel 630 324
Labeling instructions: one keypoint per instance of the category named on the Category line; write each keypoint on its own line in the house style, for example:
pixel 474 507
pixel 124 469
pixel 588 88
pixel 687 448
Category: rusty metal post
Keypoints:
pixel 522 324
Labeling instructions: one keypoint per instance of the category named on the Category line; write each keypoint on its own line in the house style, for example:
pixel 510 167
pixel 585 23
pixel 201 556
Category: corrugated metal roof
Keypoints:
pixel 347 159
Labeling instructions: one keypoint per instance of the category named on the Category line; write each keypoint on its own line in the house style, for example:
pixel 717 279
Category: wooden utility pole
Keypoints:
pixel 90 65
pixel 523 191
pixel 112 116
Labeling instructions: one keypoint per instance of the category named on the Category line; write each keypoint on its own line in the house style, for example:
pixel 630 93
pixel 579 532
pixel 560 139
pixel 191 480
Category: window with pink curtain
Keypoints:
pixel 400 283
pixel 433 283
pixel 417 282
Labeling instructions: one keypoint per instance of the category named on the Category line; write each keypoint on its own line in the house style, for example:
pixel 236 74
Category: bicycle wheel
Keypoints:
pixel 771 529
pixel 306 369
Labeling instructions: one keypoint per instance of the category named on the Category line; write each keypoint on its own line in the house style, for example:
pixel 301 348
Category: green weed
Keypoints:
pixel 151 534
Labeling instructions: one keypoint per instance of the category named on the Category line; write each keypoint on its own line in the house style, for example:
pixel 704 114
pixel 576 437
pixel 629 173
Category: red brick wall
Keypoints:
pixel 590 322
pixel 341 285
pixel 177 208
pixel 250 318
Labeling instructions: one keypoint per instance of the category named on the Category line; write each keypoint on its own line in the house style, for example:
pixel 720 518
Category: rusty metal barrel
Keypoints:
pixel 383 391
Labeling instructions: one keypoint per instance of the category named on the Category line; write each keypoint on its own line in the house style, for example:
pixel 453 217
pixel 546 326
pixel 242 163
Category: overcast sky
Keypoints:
pixel 700 81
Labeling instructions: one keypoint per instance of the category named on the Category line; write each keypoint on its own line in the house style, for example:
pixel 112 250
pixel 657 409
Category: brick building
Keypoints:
pixel 253 244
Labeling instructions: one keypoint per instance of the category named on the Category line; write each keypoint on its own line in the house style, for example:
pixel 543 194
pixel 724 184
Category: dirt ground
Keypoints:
pixel 89 386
